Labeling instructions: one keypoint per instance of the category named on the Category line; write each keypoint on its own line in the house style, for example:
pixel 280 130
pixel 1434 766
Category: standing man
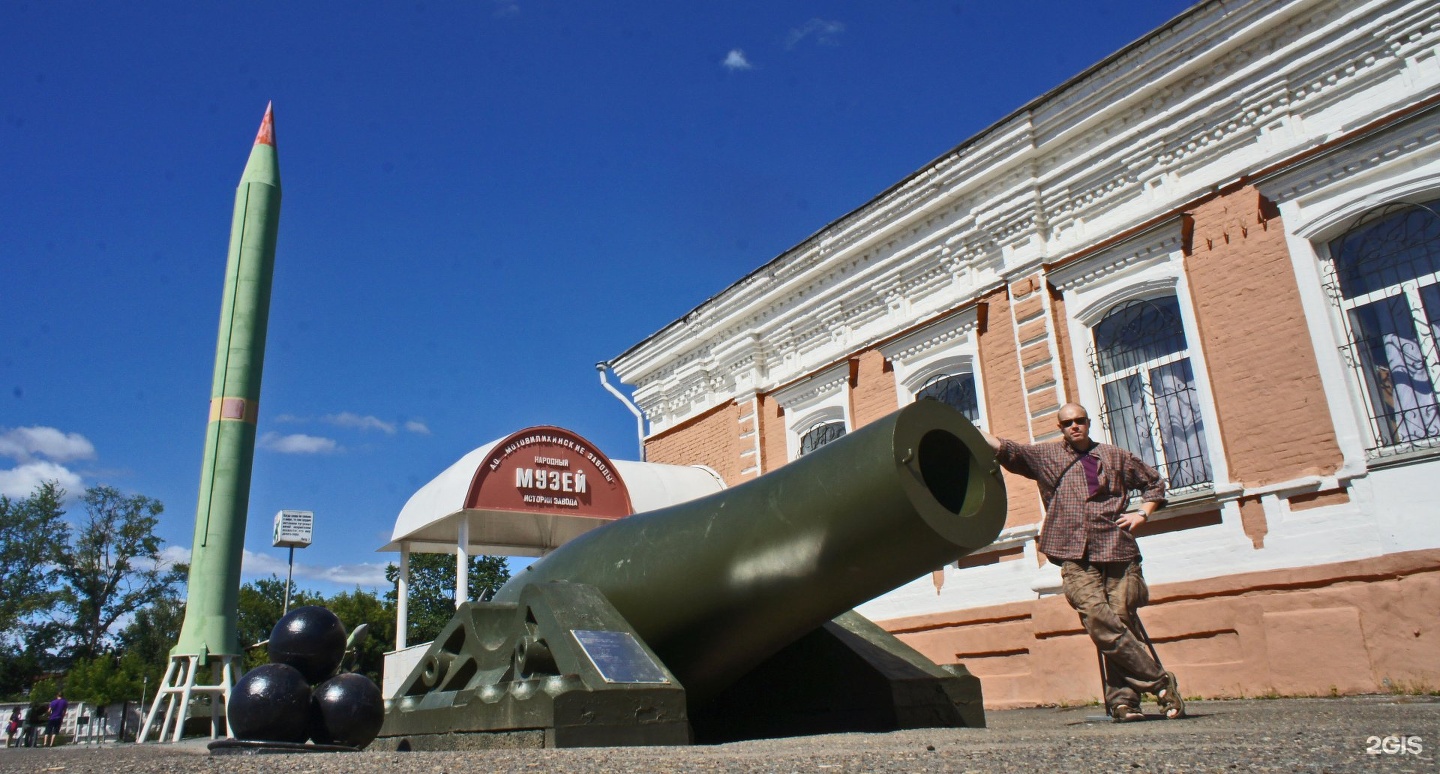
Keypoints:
pixel 1086 488
pixel 57 714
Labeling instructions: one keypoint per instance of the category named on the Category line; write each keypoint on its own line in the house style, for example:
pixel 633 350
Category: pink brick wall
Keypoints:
pixel 712 439
pixel 1263 372
pixel 872 392
pixel 1004 397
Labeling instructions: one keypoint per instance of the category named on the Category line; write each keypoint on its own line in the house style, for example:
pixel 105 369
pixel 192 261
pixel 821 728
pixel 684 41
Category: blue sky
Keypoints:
pixel 481 200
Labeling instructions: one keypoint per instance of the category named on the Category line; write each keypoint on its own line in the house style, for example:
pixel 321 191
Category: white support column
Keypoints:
pixel 402 597
pixel 462 563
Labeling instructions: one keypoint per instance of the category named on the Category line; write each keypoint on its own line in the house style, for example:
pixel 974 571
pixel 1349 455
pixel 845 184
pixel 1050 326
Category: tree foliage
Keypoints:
pixel 432 589
pixel 363 607
pixel 112 567
pixel 32 531
pixel 151 634
pixel 65 588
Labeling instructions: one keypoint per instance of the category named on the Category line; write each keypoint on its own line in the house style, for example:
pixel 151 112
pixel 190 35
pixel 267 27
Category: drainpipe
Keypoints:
pixel 639 417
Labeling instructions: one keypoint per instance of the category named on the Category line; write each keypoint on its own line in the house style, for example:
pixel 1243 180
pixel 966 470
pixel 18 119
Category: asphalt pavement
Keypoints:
pixel 1347 734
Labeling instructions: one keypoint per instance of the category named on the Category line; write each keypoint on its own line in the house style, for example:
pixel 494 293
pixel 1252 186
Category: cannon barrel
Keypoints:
pixel 717 585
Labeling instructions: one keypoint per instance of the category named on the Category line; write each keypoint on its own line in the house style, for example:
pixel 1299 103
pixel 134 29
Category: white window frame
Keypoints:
pixel 1148 265
pixel 815 400
pixel 1408 289
pixel 945 347
pixel 1321 201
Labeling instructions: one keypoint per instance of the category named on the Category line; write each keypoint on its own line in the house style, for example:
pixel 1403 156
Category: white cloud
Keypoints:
pixel 368 574
pixel 347 419
pixel 824 32
pixel 297 443
pixel 21 481
pixel 735 60
pixel 173 555
pixel 417 427
pixel 289 419
pixel 506 8
pixel 23 444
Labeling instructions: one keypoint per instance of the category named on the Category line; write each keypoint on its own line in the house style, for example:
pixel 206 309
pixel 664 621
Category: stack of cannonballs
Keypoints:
pixel 299 696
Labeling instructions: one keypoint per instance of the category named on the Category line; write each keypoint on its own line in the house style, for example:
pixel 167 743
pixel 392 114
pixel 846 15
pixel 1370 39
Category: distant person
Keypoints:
pixel 34 719
pixel 57 715
pixel 1086 487
pixel 12 728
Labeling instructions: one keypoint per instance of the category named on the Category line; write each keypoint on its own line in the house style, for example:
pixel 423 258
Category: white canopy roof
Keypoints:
pixel 430 521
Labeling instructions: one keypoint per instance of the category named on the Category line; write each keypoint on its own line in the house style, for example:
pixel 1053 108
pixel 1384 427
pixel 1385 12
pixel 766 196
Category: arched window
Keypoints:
pixel 1383 276
pixel 1150 405
pixel 820 435
pixel 955 390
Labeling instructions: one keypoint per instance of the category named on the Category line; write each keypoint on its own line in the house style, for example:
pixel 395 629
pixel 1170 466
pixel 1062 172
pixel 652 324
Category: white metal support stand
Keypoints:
pixel 178 687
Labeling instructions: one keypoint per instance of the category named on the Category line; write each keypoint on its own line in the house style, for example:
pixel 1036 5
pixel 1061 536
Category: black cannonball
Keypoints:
pixel 271 703
pixel 311 639
pixel 346 709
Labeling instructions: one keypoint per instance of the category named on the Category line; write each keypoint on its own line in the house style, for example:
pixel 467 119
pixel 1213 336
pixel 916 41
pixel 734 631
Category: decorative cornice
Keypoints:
pixel 1161 243
pixel 809 391
pixel 953 328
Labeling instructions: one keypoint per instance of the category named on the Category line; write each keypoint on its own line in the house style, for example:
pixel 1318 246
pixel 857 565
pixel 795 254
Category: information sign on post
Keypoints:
pixel 293 528
pixel 292 531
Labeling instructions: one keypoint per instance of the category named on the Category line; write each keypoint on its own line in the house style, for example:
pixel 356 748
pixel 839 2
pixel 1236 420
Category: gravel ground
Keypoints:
pixel 1252 735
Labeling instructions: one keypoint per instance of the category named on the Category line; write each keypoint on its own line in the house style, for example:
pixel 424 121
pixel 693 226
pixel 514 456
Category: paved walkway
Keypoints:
pixel 1358 733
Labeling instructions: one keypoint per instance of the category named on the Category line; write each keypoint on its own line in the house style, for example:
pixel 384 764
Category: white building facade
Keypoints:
pixel 1224 240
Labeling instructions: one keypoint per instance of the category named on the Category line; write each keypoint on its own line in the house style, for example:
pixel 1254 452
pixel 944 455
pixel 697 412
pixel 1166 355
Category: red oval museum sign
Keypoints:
pixel 549 470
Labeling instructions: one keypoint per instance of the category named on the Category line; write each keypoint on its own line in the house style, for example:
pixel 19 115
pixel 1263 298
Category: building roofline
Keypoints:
pixel 954 151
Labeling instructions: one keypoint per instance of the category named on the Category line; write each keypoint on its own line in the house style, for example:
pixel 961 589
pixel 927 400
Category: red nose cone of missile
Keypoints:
pixel 267 127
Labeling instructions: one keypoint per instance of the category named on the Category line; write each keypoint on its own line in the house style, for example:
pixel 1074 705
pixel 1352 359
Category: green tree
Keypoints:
pixel 432 589
pixel 31 533
pixel 32 530
pixel 364 607
pixel 111 567
pixel 151 634
pixel 105 679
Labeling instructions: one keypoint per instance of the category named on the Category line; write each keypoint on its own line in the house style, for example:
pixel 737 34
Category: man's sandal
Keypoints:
pixel 1124 713
pixel 1169 697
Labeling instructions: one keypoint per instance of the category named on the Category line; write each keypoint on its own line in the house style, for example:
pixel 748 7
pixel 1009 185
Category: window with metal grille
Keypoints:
pixel 1382 276
pixel 955 390
pixel 820 435
pixel 1150 406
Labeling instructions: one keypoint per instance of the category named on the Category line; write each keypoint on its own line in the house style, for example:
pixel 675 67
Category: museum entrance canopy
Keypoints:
pixel 530 492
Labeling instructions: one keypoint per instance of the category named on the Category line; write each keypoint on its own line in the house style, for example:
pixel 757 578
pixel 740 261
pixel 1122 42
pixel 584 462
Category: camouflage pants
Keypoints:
pixel 1106 595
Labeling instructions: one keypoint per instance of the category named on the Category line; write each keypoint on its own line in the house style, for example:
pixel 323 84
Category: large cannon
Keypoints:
pixel 726 617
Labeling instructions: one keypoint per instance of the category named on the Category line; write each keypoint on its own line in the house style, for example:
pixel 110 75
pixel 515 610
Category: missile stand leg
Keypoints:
pixel 155 704
pixel 176 690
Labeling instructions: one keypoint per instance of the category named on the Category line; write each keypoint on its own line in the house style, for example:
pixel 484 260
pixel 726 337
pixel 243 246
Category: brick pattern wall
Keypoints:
pixel 1004 401
pixel 1060 324
pixel 711 439
pixel 1263 372
pixel 1030 316
pixel 872 389
pixel 774 445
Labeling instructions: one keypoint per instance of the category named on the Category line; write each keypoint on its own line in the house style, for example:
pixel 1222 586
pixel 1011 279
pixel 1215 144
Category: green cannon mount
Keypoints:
pixel 570 672
pixel 727 617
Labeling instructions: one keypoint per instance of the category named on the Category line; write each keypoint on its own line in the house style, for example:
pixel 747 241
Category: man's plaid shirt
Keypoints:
pixel 1078 525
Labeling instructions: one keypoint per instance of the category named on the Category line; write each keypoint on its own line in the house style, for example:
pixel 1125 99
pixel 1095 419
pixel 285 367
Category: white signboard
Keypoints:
pixel 293 528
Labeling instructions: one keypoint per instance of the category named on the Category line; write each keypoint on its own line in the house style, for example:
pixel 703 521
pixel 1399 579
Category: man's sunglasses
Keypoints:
pixel 1075 421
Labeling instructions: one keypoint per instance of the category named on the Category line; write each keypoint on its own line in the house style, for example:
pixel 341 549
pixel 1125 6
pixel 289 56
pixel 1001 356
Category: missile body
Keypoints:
pixel 214 583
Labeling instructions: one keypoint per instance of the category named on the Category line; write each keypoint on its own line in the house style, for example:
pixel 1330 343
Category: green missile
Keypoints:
pixel 214 584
